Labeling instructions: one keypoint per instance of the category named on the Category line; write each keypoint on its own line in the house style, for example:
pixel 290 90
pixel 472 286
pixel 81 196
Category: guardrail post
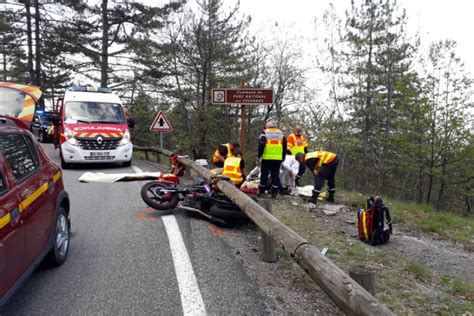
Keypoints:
pixel 269 254
pixel 364 276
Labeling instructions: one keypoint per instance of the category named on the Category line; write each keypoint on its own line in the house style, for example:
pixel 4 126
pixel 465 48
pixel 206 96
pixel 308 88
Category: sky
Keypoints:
pixel 434 19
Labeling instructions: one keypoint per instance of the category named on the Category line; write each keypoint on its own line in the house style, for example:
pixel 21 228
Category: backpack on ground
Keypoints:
pixel 371 222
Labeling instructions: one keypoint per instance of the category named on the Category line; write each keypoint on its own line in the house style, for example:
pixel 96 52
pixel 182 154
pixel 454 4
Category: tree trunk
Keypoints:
pixel 29 35
pixel 4 59
pixel 37 45
pixel 104 60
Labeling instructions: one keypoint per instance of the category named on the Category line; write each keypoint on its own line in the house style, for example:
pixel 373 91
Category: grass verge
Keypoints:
pixel 421 217
pixel 405 286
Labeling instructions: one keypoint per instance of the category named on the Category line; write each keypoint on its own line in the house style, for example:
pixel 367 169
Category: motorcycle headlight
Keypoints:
pixel 69 137
pixel 125 139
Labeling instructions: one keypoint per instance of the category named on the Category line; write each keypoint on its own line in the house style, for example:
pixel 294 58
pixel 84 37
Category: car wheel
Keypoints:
pixel 61 238
pixel 127 163
pixel 41 136
pixel 64 164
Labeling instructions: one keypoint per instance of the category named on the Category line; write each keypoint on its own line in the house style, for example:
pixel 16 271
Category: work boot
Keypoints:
pixel 330 199
pixel 261 191
pixel 274 194
pixel 314 197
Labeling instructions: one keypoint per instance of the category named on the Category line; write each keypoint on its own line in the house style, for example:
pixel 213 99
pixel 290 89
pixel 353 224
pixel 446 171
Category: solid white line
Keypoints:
pixel 137 170
pixel 191 298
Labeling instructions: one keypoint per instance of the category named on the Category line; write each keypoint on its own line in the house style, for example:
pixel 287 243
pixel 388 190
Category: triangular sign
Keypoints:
pixel 161 123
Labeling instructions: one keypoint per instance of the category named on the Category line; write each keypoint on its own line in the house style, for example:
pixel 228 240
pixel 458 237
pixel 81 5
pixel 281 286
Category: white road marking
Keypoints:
pixel 191 298
pixel 137 170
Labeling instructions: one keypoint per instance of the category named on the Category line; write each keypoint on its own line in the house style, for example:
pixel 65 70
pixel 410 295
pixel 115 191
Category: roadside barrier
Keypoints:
pixel 346 293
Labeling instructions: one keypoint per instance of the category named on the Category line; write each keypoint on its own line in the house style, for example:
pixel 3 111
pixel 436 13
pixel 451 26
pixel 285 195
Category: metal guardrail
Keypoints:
pixel 346 293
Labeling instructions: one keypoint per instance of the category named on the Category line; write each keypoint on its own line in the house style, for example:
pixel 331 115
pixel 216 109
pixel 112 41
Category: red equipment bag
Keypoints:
pixel 365 219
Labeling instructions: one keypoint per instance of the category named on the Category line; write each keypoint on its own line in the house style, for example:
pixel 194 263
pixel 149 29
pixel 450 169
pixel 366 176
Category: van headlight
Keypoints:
pixel 125 139
pixel 69 137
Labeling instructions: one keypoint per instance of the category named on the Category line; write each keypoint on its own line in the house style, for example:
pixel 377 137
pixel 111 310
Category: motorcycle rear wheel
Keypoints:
pixel 149 195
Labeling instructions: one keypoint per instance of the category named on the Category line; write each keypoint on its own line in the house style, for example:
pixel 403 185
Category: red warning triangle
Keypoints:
pixel 161 123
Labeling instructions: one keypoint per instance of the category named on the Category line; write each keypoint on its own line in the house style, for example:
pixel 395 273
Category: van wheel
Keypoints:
pixel 61 238
pixel 64 165
pixel 127 163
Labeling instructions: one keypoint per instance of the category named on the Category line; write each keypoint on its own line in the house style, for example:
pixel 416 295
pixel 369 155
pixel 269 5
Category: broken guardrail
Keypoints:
pixel 346 293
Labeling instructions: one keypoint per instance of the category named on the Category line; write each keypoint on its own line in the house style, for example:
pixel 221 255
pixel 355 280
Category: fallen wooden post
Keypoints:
pixel 346 293
pixel 269 254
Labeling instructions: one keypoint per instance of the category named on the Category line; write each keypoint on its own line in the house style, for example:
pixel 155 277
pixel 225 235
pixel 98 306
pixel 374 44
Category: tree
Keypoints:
pixel 448 89
pixel 200 50
pixel 380 65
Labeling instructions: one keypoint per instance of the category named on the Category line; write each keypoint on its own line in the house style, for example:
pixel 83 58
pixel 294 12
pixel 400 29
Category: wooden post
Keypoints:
pixel 242 122
pixel 146 155
pixel 269 254
pixel 364 276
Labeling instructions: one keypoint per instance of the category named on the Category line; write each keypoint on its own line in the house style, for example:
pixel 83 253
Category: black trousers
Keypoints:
pixel 326 172
pixel 272 168
pixel 218 164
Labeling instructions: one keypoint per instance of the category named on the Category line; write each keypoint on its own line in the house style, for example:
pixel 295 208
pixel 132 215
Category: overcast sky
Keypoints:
pixel 435 19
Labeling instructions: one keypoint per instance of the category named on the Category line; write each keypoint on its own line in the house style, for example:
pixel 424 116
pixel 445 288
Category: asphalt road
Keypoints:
pixel 120 260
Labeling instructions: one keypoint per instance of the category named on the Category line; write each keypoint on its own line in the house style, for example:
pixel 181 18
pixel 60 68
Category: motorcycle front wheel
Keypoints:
pixel 160 196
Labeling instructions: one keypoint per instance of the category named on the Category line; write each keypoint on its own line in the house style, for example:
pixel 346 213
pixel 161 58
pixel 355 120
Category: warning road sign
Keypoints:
pixel 161 123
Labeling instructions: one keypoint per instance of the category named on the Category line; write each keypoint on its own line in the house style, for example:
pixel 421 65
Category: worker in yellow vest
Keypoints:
pixel 297 143
pixel 222 152
pixel 234 168
pixel 323 165
pixel 271 152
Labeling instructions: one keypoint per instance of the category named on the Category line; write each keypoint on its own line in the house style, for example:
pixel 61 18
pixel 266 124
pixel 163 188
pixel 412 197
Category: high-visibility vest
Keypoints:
pixel 274 144
pixel 296 144
pixel 232 170
pixel 324 157
pixel 215 158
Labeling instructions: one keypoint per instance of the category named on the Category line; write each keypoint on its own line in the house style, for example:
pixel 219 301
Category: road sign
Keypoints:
pixel 161 123
pixel 243 96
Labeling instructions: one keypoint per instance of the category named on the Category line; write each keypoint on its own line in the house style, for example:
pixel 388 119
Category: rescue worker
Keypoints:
pixel 271 152
pixel 323 165
pixel 222 152
pixel 234 168
pixel 297 144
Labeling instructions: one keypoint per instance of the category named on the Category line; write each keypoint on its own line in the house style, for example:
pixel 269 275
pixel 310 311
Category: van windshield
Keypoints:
pixel 93 112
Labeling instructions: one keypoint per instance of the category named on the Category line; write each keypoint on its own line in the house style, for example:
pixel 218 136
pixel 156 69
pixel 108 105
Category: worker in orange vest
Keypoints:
pixel 323 165
pixel 222 152
pixel 297 143
pixel 234 168
pixel 271 153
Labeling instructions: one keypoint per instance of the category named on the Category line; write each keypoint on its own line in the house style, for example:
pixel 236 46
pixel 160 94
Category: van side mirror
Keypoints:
pixel 131 122
pixel 56 121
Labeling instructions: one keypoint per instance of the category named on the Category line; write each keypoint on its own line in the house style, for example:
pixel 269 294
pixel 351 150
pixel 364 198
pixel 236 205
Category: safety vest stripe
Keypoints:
pixel 274 142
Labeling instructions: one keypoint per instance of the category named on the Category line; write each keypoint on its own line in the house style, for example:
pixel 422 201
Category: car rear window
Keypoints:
pixel 20 153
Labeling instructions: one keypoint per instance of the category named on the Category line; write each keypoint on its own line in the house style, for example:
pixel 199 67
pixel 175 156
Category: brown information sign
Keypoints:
pixel 243 96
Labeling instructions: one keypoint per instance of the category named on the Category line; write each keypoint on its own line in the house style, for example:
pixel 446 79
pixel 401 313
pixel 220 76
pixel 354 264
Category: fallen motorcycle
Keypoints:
pixel 205 200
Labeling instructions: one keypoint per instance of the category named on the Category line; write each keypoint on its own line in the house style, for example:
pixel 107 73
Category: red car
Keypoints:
pixel 34 207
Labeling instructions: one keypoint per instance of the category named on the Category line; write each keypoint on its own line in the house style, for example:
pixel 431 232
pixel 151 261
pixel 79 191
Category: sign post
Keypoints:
pixel 161 124
pixel 242 96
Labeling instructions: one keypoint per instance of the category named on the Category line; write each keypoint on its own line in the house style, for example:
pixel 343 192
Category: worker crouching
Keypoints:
pixel 323 165
pixel 234 168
